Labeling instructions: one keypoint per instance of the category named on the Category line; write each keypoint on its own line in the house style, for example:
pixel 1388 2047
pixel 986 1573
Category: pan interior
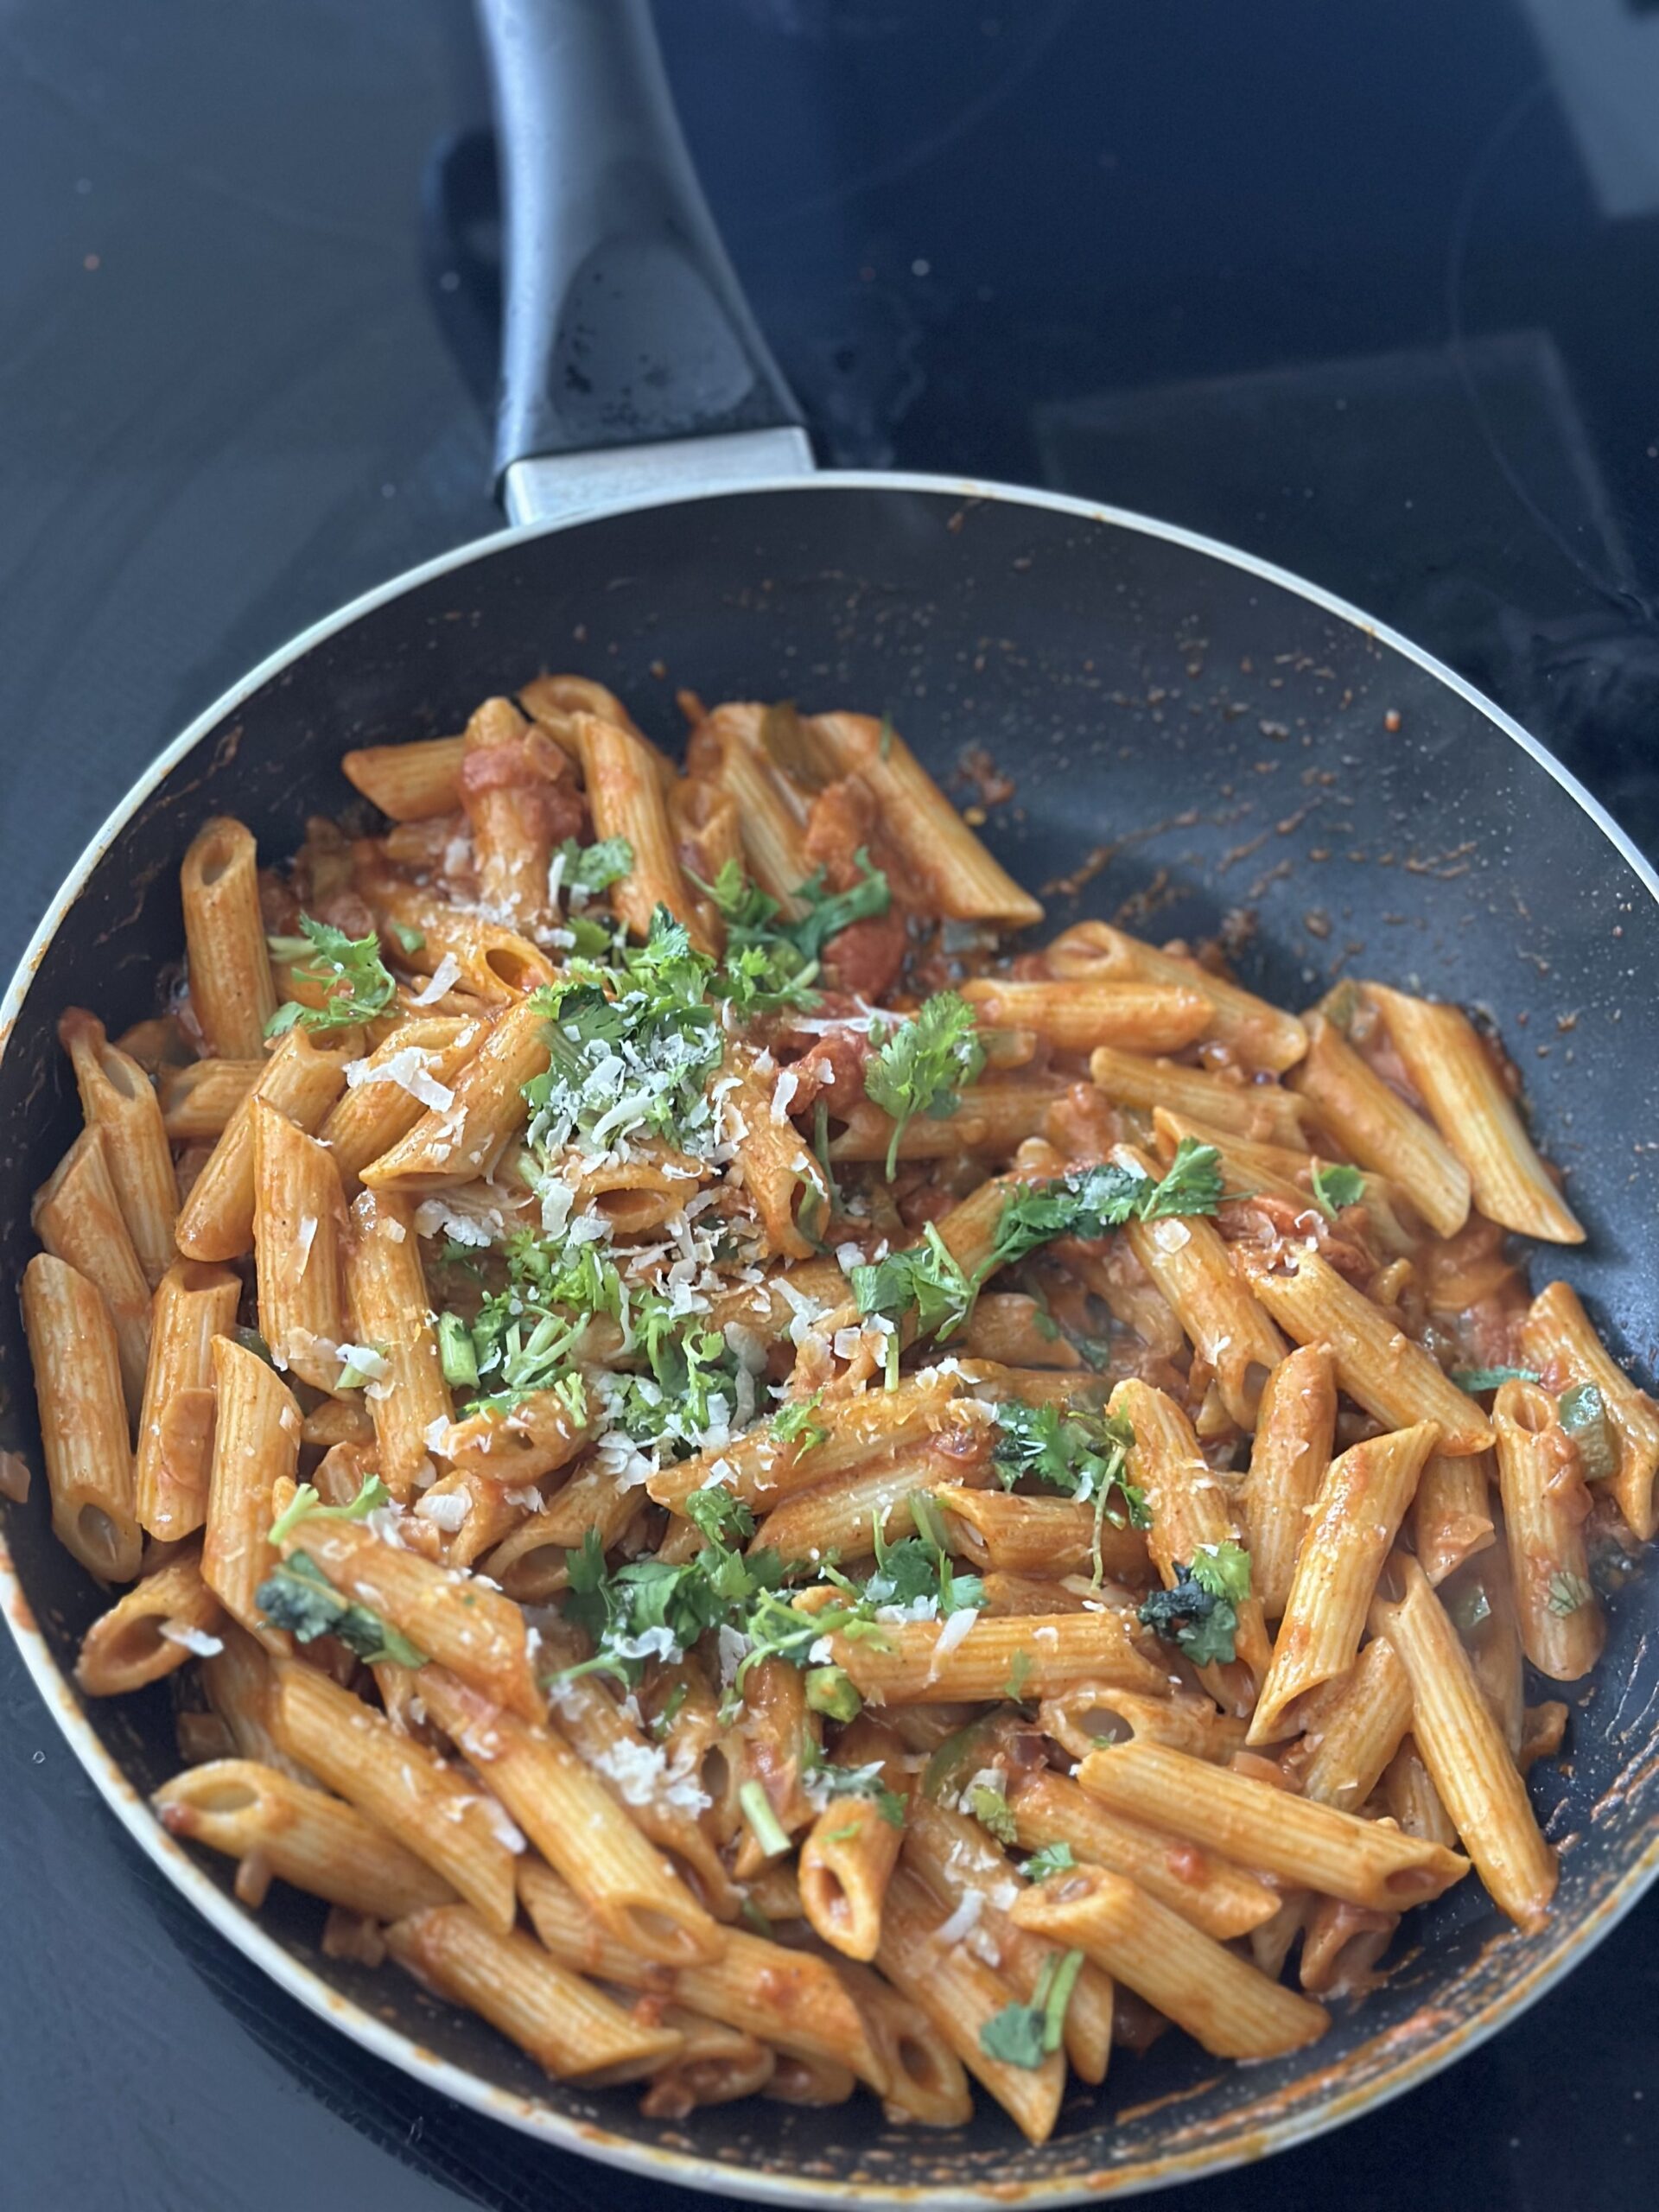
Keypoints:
pixel 1159 737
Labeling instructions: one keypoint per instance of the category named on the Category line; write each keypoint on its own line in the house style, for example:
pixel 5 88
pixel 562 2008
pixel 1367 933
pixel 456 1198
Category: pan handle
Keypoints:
pixel 630 358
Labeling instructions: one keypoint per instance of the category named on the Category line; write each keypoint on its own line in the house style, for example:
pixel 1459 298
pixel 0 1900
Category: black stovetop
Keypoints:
pixel 1366 288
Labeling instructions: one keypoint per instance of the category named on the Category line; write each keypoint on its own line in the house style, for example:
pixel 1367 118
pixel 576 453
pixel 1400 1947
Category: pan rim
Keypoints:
pixel 402 2051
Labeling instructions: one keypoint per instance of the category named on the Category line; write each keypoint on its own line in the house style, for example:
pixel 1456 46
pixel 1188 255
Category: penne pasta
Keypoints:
pixel 77 1364
pixel 410 782
pixel 260 1817
pixel 1452 1072
pixel 1355 1519
pixel 1295 1425
pixel 1259 1825
pixel 1375 1126
pixel 299 1235
pixel 569 2028
pixel 1545 1503
pixel 194 1304
pixel 300 1082
pixel 232 994
pixel 1465 1756
pixel 159 1623
pixel 77 1216
pixel 1264 1037
pixel 1078 1016
pixel 1390 1374
pixel 1222 2001
pixel 458 1143
pixel 783 1446
pixel 386 1299
pixel 1262 1113
pixel 117 1099
pixel 427 1806
pixel 1558 1337
pixel 255 1446
pixel 1216 1896
pixel 576 1826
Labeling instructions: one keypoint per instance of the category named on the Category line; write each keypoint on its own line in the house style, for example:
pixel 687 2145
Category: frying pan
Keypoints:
pixel 1196 743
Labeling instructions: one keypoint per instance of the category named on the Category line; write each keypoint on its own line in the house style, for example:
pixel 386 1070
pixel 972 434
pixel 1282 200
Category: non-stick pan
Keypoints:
pixel 1194 741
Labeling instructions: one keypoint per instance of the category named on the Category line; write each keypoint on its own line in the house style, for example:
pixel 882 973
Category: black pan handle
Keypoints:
pixel 625 324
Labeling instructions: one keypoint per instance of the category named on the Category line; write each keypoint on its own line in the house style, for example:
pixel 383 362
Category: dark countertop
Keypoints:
pixel 1368 290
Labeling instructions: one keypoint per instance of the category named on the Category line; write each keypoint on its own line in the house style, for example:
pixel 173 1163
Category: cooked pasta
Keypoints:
pixel 696 1387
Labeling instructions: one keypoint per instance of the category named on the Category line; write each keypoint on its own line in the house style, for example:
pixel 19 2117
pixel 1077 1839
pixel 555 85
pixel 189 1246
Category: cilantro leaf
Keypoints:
pixel 923 1065
pixel 793 1424
pixel 306 1504
pixel 990 1809
pixel 831 1691
pixel 1200 1613
pixel 1024 2035
pixel 1584 1417
pixel 924 1279
pixel 1052 1859
pixel 1091 1202
pixel 919 1566
pixel 1335 1187
pixel 1224 1569
pixel 632 1047
pixel 1074 1450
pixel 1018 1677
pixel 829 1780
pixel 722 1515
pixel 355 979
pixel 299 1597
pixel 591 869
pixel 829 912
pixel 771 962
pixel 1489 1378
pixel 1568 1593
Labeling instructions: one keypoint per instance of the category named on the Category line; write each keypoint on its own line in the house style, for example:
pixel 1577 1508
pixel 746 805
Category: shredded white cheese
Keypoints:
pixel 193 1639
pixel 447 1512
pixel 955 1630
pixel 971 1904
pixel 783 1092
pixel 445 977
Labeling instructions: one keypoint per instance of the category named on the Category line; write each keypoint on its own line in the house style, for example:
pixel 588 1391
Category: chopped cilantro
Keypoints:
pixel 856 1781
pixel 793 1424
pixel 1584 1418
pixel 1336 1187
pixel 650 1608
pixel 989 1807
pixel 306 1505
pixel 1470 1607
pixel 1024 2035
pixel 592 868
pixel 1075 1450
pixel 1568 1593
pixel 1090 1202
pixel 1200 1613
pixel 919 1566
pixel 1052 1859
pixel 924 1279
pixel 411 940
pixel 456 1353
pixel 1489 1378
pixel 764 1824
pixel 631 1046
pixel 356 981
pixel 771 962
pixel 830 1691
pixel 722 1515
pixel 1019 1676
pixel 299 1597
pixel 923 1065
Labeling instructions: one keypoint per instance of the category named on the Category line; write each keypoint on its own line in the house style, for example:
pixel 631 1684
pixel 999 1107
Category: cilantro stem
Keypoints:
pixel 765 1826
